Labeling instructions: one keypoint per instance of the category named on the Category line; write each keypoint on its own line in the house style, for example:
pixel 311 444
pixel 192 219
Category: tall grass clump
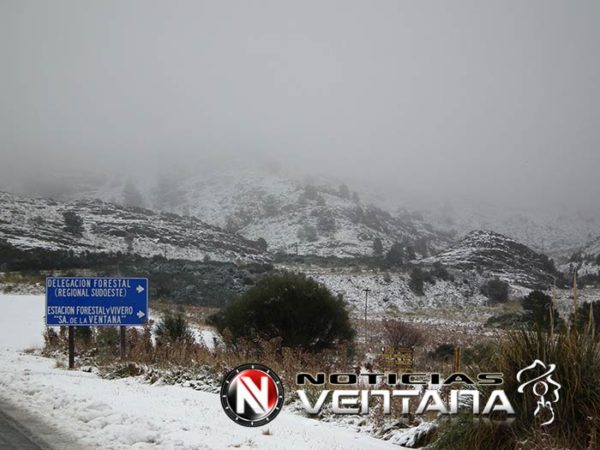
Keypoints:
pixel 577 358
pixel 576 354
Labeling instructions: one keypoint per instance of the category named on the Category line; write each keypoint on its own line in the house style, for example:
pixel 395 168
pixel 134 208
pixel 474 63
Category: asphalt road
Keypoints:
pixel 14 436
pixel 23 430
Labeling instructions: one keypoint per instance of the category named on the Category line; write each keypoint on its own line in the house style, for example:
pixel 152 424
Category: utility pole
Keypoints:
pixel 367 290
pixel 552 301
pixel 575 297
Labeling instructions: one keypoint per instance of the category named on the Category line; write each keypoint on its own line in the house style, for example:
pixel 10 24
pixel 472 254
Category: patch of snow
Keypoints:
pixel 126 413
pixel 21 321
pixel 412 436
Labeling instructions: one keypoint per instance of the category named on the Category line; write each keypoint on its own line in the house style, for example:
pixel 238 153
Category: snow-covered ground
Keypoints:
pixel 389 292
pixel 21 322
pixel 126 413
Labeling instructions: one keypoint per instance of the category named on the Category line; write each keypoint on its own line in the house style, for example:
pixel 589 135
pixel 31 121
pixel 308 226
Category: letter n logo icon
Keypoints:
pixel 252 395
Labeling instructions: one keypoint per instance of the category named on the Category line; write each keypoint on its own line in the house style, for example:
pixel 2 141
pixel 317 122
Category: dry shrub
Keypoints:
pixel 401 334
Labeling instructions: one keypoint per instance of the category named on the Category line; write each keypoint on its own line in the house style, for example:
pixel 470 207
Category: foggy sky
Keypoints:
pixel 436 99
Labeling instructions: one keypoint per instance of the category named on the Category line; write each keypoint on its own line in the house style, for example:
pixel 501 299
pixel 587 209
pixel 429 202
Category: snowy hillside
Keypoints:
pixel 390 293
pixel 319 218
pixel 557 232
pixel 591 251
pixel 586 260
pixel 499 256
pixel 316 217
pixel 38 223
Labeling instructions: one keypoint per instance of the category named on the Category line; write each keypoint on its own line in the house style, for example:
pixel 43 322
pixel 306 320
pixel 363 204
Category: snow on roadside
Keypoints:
pixel 21 321
pixel 207 337
pixel 127 413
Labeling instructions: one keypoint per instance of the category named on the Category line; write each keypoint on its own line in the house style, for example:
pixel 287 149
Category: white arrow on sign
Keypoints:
pixel 140 314
pixel 139 289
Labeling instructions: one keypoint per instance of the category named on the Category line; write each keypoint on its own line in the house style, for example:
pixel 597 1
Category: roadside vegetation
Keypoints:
pixel 291 324
pixel 575 350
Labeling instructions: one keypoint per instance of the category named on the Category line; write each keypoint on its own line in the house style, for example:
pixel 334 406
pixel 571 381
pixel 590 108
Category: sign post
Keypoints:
pixel 96 301
pixel 71 347
pixel 457 358
pixel 123 343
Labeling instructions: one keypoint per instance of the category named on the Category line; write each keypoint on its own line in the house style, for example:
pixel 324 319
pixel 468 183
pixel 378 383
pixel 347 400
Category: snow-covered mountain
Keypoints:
pixel 591 250
pixel 41 223
pixel 585 260
pixel 496 255
pixel 318 215
pixel 293 216
pixel 556 232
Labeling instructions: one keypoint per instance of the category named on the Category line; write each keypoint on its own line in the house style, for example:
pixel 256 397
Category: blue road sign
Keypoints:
pixel 92 301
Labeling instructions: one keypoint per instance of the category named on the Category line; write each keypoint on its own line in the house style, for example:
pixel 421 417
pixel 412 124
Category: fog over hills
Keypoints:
pixel 410 124
pixel 427 103
pixel 258 198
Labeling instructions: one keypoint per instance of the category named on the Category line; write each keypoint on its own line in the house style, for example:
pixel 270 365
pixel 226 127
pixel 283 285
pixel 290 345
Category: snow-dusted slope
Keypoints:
pixel 318 218
pixel 586 260
pixel 554 232
pixel 38 223
pixel 390 293
pixel 310 217
pixel 591 250
pixel 499 256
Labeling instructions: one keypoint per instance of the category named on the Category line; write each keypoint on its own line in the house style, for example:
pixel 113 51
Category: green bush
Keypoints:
pixel 495 290
pixel 537 307
pixel 108 341
pixel 302 312
pixel 84 335
pixel 440 272
pixel 395 255
pixel 307 233
pixel 262 244
pixel 377 247
pixel 73 223
pixel 443 352
pixel 417 280
pixel 173 328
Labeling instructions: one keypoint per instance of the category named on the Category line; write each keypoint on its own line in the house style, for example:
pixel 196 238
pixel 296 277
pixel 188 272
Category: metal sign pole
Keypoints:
pixel 123 348
pixel 71 347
